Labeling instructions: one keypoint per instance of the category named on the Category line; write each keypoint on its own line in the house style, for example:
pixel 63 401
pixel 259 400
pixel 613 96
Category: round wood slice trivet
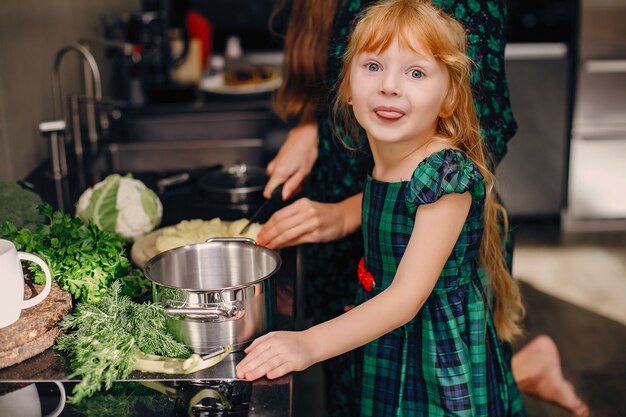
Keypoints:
pixel 37 327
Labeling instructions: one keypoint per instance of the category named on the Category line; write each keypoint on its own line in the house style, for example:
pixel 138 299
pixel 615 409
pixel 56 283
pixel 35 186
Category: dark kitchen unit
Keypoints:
pixel 540 64
pixel 597 179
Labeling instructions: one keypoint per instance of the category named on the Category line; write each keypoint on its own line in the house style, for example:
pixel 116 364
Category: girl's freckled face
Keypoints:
pixel 397 95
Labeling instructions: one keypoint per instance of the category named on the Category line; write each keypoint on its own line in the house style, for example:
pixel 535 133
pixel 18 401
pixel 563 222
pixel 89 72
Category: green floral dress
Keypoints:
pixel 447 361
pixel 330 268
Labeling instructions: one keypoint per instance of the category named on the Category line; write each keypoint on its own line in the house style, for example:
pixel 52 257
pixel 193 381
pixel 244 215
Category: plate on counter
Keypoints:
pixel 263 79
pixel 145 247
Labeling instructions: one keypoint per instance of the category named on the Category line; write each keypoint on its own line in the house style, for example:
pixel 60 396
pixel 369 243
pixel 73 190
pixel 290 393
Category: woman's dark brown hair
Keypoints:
pixel 305 52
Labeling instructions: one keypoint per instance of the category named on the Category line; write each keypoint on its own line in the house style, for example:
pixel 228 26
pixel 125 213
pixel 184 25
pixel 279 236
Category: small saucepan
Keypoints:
pixel 237 184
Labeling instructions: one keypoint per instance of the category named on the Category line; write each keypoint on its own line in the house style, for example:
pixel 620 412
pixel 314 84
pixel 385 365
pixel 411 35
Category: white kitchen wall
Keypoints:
pixel 31 32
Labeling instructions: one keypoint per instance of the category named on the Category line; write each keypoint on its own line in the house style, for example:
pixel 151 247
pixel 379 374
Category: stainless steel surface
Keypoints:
pixel 601 97
pixel 76 126
pixel 91 70
pixel 231 280
pixel 598 137
pixel 531 178
pixel 165 125
pixel 178 155
pixel 213 266
pixel 54 131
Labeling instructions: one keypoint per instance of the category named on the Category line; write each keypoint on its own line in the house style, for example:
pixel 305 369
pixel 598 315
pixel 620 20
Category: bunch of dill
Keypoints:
pixel 104 338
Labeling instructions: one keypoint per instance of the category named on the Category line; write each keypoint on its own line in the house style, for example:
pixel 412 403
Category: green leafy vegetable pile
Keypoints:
pixel 106 337
pixel 19 206
pixel 82 258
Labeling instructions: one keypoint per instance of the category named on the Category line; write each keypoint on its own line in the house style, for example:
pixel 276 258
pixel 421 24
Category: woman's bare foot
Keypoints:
pixel 537 371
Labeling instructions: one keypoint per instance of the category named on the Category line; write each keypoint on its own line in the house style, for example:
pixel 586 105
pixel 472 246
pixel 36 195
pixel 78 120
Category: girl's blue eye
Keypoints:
pixel 373 67
pixel 417 73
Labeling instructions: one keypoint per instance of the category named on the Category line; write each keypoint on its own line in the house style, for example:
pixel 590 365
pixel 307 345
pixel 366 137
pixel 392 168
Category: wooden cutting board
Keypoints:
pixel 37 327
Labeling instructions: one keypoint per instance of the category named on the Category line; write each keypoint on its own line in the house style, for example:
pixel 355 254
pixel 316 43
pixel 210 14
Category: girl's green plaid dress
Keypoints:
pixel 447 361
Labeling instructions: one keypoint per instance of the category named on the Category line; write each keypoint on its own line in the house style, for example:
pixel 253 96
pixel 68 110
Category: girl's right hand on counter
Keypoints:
pixel 294 160
pixel 274 355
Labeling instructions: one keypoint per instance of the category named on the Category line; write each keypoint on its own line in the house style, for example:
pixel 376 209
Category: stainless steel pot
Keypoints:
pixel 216 293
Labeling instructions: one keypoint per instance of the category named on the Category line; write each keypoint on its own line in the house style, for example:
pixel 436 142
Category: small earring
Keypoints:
pixel 350 100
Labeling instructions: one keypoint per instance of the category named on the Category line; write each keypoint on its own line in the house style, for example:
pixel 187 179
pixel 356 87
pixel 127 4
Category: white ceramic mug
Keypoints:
pixel 12 282
pixel 25 402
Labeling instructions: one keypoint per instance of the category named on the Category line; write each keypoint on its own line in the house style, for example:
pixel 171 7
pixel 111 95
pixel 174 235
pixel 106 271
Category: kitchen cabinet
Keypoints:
pixel 596 200
pixel 531 178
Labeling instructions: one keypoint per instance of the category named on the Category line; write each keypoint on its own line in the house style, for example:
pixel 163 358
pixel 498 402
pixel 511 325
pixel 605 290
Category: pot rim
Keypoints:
pixel 157 257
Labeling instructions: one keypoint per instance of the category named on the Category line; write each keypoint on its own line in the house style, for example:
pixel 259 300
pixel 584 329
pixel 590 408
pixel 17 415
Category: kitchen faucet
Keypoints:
pixel 93 90
pixel 56 129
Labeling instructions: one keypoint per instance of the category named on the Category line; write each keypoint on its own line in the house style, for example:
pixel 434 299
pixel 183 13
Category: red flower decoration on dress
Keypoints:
pixel 365 278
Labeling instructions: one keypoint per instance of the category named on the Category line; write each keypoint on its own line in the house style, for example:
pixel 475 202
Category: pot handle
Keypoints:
pixel 216 313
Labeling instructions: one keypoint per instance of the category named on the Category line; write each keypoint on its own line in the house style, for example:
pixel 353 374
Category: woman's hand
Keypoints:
pixel 294 161
pixel 274 355
pixel 306 221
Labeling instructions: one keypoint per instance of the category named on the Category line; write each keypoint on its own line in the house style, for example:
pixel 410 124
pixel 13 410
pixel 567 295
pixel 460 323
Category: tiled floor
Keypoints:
pixel 574 290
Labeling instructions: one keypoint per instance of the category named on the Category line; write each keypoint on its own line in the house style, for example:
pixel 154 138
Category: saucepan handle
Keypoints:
pixel 214 313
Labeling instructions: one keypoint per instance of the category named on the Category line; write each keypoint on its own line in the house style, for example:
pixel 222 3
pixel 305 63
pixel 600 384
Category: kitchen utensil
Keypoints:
pixel 184 177
pixel 217 293
pixel 237 184
pixel 12 282
pixel 25 402
pixel 276 195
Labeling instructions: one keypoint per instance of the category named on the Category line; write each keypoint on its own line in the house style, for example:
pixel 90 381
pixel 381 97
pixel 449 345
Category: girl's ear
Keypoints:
pixel 349 100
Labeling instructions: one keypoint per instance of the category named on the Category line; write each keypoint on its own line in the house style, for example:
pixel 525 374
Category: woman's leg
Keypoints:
pixel 537 371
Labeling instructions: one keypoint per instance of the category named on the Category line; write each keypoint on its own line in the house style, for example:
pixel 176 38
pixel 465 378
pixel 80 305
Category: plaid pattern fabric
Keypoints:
pixel 339 173
pixel 448 359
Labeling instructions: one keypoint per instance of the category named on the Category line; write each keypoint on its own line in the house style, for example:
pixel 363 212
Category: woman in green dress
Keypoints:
pixel 433 260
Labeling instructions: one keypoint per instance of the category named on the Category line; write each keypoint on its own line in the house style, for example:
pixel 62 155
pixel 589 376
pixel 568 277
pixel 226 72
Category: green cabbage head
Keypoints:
pixel 122 205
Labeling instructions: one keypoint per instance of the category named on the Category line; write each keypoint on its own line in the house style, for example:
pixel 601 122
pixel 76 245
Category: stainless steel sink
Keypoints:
pixel 178 155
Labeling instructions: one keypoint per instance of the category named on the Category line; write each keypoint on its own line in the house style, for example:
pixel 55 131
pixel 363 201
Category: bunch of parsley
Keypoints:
pixel 83 259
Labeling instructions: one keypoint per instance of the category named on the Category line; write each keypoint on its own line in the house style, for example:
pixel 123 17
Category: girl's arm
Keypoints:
pixel 307 221
pixel 437 228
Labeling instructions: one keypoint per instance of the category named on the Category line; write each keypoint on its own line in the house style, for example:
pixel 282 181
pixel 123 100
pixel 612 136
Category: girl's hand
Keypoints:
pixel 274 355
pixel 306 221
pixel 294 161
